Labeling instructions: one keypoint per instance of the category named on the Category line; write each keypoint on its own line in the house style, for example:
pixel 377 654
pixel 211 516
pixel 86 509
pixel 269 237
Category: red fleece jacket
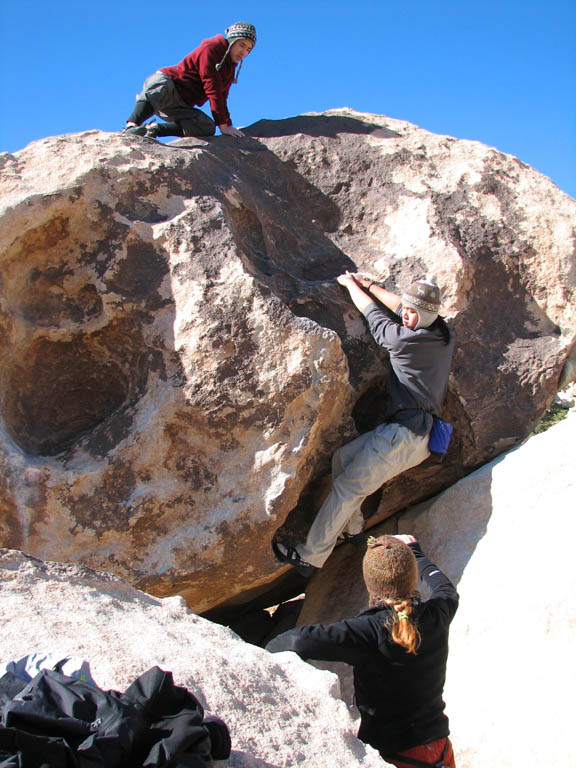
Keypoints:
pixel 198 80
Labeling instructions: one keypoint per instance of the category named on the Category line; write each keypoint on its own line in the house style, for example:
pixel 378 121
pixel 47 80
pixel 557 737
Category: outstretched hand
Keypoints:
pixel 346 279
pixel 356 277
pixel 360 298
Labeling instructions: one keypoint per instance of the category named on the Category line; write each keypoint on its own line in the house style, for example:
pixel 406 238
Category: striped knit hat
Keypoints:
pixel 240 30
pixel 423 297
pixel 390 569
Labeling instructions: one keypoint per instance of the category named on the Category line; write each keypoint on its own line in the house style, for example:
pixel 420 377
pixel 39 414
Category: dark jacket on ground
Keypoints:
pixel 56 721
pixel 198 80
pixel 420 362
pixel 399 695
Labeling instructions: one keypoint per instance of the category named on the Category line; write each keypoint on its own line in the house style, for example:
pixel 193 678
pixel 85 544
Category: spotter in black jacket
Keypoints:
pixel 399 695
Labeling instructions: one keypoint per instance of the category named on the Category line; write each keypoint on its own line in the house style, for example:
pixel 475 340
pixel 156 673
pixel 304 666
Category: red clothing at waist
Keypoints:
pixel 428 754
pixel 198 80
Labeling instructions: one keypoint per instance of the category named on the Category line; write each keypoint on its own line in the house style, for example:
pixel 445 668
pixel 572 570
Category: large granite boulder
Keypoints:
pixel 502 534
pixel 178 364
pixel 279 711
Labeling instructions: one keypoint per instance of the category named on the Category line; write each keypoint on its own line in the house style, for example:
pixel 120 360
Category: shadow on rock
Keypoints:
pixel 328 126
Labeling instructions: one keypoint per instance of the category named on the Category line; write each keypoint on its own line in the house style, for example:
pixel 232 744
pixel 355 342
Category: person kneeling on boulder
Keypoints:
pixel 398 649
pixel 206 74
pixel 420 345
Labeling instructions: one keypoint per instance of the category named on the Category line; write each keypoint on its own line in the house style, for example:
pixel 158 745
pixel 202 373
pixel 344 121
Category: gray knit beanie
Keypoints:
pixel 423 297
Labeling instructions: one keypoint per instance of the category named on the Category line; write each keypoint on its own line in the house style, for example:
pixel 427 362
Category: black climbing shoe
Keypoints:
pixel 134 130
pixel 152 130
pixel 285 553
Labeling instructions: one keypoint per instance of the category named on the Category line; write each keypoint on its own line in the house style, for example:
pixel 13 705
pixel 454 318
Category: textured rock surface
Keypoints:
pixel 280 712
pixel 162 409
pixel 503 535
pixel 177 364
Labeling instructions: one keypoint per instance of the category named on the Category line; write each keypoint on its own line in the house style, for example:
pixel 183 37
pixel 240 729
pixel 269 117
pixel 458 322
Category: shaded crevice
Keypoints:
pixel 62 384
pixel 56 392
pixel 59 394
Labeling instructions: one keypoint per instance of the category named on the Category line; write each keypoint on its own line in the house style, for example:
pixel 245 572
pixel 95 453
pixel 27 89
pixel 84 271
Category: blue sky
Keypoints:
pixel 498 71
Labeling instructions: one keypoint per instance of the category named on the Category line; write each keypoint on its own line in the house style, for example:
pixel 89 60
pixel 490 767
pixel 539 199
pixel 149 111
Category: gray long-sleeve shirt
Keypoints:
pixel 420 362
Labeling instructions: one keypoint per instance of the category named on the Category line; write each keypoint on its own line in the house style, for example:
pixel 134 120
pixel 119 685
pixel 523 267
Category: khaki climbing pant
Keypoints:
pixel 359 468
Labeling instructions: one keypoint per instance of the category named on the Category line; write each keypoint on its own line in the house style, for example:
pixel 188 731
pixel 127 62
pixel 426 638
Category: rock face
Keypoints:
pixel 502 535
pixel 279 711
pixel 178 364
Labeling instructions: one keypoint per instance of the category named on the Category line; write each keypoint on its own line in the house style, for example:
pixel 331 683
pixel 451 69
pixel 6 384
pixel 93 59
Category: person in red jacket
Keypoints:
pixel 206 74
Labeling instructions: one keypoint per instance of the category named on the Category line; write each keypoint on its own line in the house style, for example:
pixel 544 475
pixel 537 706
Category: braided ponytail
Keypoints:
pixel 403 630
pixel 391 576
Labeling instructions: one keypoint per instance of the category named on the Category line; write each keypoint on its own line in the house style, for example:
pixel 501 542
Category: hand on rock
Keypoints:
pixel 346 279
pixel 229 130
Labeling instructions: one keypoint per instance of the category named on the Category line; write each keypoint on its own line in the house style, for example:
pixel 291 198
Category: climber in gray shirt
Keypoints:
pixel 420 345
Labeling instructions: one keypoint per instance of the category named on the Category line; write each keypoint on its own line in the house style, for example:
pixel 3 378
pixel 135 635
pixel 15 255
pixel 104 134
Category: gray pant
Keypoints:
pixel 168 104
pixel 359 468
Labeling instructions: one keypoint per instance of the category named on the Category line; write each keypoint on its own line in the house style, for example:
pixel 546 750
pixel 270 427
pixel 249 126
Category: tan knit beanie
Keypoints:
pixel 423 297
pixel 390 569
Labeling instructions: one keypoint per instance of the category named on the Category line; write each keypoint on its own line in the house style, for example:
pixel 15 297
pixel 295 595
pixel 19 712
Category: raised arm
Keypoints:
pixel 360 298
pixel 382 327
pixel 440 585
pixel 388 298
